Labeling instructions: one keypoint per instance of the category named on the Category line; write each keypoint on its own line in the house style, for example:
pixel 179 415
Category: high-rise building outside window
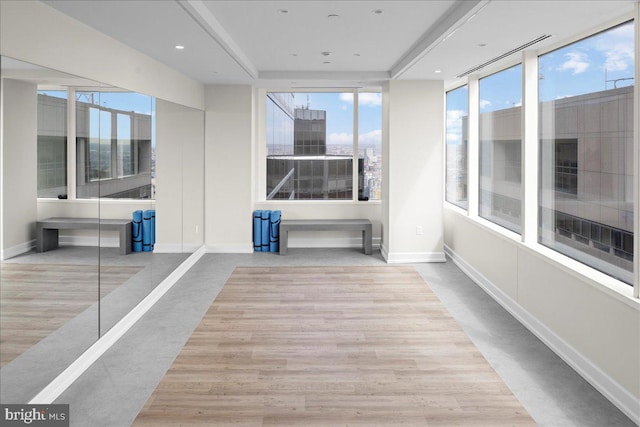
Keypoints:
pixel 586 151
pixel 310 146
pixel 456 146
pixel 370 145
pixel 500 192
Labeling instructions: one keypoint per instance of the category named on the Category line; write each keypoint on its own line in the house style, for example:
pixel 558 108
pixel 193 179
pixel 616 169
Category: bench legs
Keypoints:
pixel 46 239
pixel 284 241
pixel 367 237
pixel 366 240
pixel 125 239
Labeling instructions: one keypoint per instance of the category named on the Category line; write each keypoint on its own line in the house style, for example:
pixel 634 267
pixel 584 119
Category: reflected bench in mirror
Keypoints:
pixel 47 230
pixel 363 225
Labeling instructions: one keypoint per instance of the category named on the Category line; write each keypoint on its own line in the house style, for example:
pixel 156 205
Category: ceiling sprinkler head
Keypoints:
pixel 325 53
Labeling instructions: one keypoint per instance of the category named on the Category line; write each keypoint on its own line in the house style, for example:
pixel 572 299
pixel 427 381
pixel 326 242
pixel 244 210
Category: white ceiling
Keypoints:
pixel 255 41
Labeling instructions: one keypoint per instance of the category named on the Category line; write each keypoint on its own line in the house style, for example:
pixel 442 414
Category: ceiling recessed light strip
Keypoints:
pixel 504 55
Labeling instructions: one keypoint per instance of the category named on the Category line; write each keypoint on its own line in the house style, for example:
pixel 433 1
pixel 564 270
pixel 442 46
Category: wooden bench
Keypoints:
pixel 363 225
pixel 47 230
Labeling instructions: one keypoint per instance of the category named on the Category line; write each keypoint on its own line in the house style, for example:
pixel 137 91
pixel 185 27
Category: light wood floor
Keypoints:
pixel 330 346
pixel 37 299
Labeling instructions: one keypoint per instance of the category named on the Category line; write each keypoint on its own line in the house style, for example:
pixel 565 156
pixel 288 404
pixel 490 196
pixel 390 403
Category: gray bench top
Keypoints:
pixel 324 224
pixel 83 223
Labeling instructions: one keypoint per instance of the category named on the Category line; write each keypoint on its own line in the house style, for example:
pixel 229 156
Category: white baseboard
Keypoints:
pixel 167 248
pixel 233 248
pixel 413 257
pixel 175 248
pixel 17 250
pixel 606 385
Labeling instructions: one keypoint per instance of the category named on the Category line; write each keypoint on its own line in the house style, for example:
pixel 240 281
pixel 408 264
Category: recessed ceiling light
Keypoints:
pixel 377 11
pixel 437 71
pixel 179 47
pixel 283 11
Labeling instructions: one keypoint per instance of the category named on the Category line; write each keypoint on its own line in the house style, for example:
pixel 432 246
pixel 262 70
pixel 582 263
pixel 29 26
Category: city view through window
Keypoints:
pixel 310 146
pixel 586 150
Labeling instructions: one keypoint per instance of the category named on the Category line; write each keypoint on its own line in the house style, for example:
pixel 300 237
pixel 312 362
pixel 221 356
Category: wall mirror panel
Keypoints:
pixel 84 152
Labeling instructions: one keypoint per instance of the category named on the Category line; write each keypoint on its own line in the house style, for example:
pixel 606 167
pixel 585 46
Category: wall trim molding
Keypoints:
pixel 230 248
pixel 602 382
pixel 309 242
pixel 413 257
pixel 56 387
pixel 175 248
pixel 17 249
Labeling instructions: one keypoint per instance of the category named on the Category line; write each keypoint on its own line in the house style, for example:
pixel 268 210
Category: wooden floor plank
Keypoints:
pixel 330 346
pixel 37 299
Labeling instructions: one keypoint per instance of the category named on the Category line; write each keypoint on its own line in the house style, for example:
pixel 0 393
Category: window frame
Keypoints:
pixel 260 157
pixel 528 240
pixel 72 152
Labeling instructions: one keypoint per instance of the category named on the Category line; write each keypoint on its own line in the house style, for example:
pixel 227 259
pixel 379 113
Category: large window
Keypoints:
pixel 457 115
pixel 310 146
pixel 114 145
pixel 586 148
pixel 52 143
pixel 500 197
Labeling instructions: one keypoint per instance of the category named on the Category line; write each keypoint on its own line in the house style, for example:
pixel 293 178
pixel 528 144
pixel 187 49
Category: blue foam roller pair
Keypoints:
pixel 136 231
pixel 266 230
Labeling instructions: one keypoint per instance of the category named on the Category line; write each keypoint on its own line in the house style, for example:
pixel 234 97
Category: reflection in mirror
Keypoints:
pixel 90 160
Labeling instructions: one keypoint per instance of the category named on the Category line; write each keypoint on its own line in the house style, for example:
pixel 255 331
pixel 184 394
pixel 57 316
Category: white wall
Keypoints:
pixel 19 173
pixel 413 112
pixel 229 168
pixel 33 32
pixel 594 328
pixel 180 178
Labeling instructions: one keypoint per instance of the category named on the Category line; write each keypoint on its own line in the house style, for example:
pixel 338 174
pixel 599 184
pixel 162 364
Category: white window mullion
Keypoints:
pixel 356 177
pixel 636 160
pixel 473 147
pixel 529 147
pixel 71 144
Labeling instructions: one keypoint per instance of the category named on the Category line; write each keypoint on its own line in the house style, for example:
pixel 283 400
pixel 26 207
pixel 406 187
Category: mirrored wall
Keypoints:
pixel 81 172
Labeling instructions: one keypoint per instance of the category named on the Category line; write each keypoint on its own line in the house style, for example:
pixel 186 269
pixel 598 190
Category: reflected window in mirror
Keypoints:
pixel 115 145
pixel 52 143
